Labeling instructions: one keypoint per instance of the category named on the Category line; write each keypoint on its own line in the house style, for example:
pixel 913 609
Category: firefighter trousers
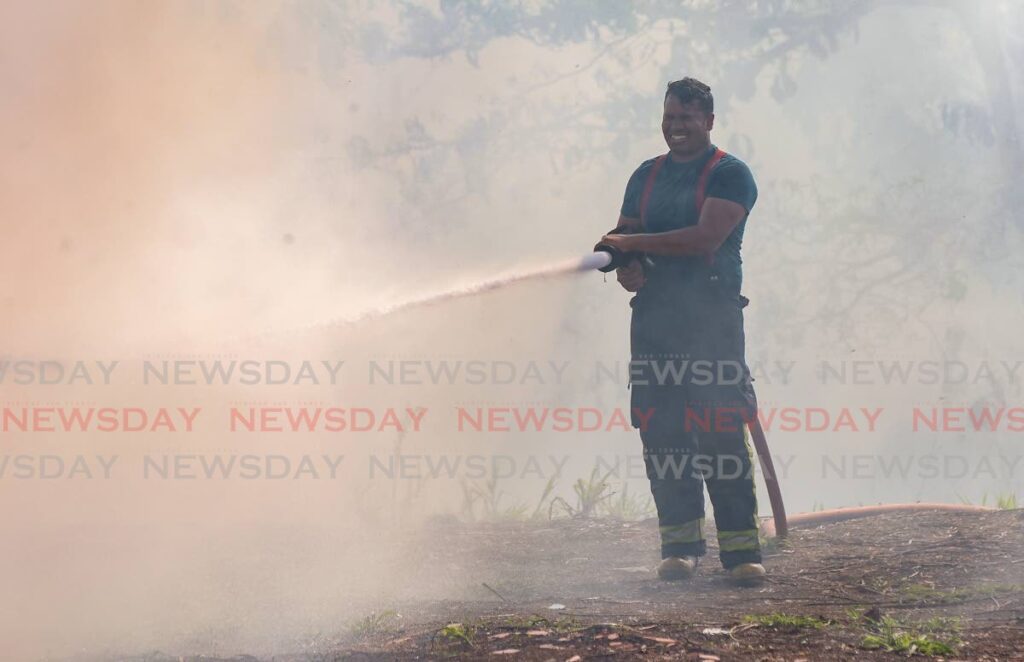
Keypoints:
pixel 691 385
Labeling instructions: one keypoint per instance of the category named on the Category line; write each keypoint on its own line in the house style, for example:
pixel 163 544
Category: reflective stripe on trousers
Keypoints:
pixel 738 541
pixel 687 532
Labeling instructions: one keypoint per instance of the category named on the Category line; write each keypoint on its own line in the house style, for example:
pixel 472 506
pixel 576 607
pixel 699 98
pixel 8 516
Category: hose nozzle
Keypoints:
pixel 618 257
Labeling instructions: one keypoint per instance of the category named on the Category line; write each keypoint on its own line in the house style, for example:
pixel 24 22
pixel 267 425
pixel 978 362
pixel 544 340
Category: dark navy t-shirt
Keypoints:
pixel 672 206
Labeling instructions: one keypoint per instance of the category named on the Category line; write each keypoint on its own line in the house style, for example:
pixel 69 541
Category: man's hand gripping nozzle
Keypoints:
pixel 618 257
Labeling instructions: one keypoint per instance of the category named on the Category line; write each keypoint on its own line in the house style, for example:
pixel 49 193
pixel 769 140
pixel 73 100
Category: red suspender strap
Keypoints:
pixel 702 183
pixel 649 186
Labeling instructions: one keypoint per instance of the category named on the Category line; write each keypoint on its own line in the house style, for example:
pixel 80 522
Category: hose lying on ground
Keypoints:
pixel 839 514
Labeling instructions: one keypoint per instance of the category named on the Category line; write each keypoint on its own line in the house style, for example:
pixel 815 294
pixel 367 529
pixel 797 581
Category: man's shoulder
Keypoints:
pixel 646 166
pixel 731 162
pixel 641 173
pixel 732 180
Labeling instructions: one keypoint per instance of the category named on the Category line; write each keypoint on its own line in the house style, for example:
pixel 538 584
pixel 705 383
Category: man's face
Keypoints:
pixel 687 129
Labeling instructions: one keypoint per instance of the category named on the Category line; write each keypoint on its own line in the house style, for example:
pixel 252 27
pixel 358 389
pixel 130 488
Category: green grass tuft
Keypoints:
pixel 456 632
pixel 1007 502
pixel 628 507
pixel 377 623
pixel 933 637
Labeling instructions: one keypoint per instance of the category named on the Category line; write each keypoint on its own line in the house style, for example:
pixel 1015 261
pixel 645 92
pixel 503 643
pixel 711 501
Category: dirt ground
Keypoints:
pixel 946 585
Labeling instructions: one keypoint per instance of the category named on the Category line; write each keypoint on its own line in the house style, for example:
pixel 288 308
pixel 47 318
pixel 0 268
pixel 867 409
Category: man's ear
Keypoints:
pixel 711 121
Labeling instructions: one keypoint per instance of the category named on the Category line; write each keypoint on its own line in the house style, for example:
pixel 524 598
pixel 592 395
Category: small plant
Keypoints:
pixel 1007 502
pixel 483 493
pixel 855 614
pixel 377 623
pixel 456 632
pixel 628 506
pixel 481 502
pixel 590 494
pixel 927 639
pixel 780 620
pixel 543 497
pixel 487 496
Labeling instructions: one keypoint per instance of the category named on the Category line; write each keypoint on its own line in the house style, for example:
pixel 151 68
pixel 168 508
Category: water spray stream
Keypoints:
pixel 603 259
pixel 599 260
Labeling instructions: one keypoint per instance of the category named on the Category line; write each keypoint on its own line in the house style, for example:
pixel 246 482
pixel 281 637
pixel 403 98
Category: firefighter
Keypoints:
pixel 683 214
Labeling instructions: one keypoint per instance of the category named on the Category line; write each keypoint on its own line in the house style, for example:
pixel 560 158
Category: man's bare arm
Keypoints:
pixel 718 218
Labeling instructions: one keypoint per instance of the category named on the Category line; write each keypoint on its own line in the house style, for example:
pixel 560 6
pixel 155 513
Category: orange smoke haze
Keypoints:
pixel 117 116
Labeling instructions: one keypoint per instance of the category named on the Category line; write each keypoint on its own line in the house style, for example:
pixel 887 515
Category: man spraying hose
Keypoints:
pixel 683 215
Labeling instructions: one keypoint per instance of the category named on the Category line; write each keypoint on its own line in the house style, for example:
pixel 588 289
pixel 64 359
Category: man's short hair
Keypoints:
pixel 691 89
